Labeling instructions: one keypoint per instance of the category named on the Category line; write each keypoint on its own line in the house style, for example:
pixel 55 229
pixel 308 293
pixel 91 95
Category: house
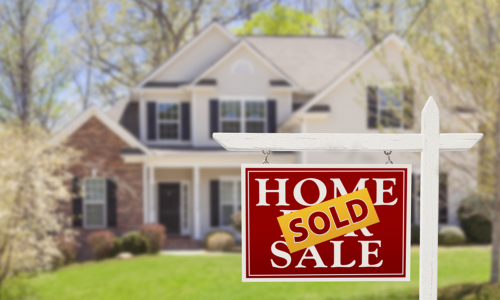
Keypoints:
pixel 152 158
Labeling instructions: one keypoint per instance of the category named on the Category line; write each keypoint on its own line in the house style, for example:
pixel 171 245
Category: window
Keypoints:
pixel 243 116
pixel 390 107
pixel 94 202
pixel 242 67
pixel 230 200
pixel 168 121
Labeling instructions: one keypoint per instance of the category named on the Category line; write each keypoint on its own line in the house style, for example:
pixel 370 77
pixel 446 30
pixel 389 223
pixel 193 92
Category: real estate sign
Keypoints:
pixel 326 222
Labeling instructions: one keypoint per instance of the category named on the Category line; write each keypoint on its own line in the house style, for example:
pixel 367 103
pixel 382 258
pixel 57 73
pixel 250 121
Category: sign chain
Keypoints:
pixel 266 153
pixel 388 153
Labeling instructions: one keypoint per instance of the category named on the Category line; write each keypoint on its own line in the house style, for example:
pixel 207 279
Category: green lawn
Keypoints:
pixel 219 277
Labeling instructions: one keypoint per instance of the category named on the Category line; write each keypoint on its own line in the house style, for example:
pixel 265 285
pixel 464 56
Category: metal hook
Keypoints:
pixel 265 162
pixel 388 153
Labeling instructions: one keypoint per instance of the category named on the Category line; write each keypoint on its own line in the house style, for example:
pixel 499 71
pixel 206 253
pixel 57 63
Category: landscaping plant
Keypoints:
pixel 102 243
pixel 135 243
pixel 155 234
pixel 451 236
pixel 219 241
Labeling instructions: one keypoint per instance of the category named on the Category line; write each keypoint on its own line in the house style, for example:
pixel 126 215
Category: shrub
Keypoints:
pixel 135 243
pixel 236 218
pixel 474 213
pixel 155 234
pixel 219 241
pixel 415 234
pixel 451 235
pixel 67 248
pixel 102 243
pixel 117 247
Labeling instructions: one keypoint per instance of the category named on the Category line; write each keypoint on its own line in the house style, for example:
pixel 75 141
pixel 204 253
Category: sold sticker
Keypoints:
pixel 327 220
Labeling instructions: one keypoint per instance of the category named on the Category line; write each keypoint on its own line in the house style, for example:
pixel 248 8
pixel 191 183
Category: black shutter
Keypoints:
pixel 408 96
pixel 151 121
pixel 214 116
pixel 77 203
pixel 111 202
pixel 214 203
pixel 372 103
pixel 271 116
pixel 185 121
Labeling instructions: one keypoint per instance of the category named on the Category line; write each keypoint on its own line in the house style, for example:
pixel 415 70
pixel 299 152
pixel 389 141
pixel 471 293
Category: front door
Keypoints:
pixel 169 199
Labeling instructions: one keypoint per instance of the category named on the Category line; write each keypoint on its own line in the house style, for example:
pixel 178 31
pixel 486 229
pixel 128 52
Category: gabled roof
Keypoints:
pixel 311 61
pixel 73 126
pixel 345 74
pixel 244 45
pixel 191 43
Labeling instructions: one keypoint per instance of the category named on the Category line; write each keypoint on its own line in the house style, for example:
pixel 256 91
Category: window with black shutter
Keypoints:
pixel 111 203
pixel 443 198
pixel 271 116
pixel 151 109
pixel 185 121
pixel 214 116
pixel 214 203
pixel 95 206
pixel 77 203
pixel 372 106
pixel 390 106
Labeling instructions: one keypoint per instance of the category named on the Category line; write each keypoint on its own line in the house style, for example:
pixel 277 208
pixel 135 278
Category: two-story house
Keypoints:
pixel 152 158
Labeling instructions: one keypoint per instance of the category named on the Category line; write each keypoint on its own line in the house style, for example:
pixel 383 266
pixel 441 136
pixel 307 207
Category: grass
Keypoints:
pixel 219 277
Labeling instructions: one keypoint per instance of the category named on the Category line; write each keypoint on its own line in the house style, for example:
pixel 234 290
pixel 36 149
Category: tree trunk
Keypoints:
pixel 495 233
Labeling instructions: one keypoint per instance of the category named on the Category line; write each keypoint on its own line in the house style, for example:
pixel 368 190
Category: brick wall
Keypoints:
pixel 101 151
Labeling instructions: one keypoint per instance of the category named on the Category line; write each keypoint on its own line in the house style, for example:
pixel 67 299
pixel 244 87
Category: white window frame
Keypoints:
pixel 242 118
pixel 236 181
pixel 159 121
pixel 380 107
pixel 86 201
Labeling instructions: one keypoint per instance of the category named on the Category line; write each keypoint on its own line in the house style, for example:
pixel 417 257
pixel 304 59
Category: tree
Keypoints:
pixel 33 67
pixel 458 43
pixel 279 20
pixel 33 184
pixel 119 42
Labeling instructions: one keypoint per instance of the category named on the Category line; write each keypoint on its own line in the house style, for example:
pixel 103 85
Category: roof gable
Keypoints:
pixel 194 57
pixel 243 46
pixel 83 118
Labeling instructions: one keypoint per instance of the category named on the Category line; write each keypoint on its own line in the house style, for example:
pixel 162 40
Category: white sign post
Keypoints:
pixel 429 142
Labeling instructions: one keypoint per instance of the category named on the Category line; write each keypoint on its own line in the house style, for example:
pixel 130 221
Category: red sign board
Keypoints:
pixel 379 252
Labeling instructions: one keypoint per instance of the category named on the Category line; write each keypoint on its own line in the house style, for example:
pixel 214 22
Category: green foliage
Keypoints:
pixel 67 248
pixel 451 236
pixel 155 234
pixel 279 20
pixel 102 243
pixel 135 243
pixel 18 288
pixel 117 247
pixel 415 234
pixel 219 241
pixel 236 221
pixel 473 215
pixel 469 291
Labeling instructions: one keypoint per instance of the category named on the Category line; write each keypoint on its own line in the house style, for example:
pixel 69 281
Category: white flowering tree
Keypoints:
pixel 33 182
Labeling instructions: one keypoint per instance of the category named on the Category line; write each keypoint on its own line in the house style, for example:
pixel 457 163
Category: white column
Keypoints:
pixel 429 201
pixel 145 202
pixel 196 202
pixel 153 215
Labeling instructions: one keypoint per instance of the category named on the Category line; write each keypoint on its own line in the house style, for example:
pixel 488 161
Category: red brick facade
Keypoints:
pixel 101 152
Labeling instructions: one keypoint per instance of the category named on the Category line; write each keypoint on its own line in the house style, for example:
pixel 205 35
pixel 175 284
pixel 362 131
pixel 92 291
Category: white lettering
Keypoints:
pixel 280 191
pixel 336 256
pixel 381 191
pixel 338 185
pixel 365 252
pixel 281 254
pixel 315 256
pixel 298 194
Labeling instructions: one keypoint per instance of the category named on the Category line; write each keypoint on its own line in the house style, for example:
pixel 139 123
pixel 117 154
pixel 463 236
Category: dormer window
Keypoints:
pixel 168 121
pixel 242 67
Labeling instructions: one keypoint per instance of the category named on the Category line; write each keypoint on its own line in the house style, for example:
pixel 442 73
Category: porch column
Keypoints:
pixel 196 202
pixel 145 200
pixel 152 193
